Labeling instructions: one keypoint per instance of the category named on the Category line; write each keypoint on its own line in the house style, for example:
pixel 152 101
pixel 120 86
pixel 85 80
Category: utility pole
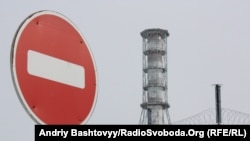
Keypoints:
pixel 218 103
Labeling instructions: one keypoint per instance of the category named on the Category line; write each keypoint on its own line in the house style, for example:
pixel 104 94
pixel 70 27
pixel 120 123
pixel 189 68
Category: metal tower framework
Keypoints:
pixel 154 100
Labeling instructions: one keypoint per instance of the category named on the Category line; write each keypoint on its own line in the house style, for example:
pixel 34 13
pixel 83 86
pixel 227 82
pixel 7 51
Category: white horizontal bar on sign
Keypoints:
pixel 51 68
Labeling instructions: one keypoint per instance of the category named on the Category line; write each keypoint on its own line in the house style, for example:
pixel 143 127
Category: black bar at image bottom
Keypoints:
pixel 197 132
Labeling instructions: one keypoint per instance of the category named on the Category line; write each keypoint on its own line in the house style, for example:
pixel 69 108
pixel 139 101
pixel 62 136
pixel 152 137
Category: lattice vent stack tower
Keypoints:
pixel 154 100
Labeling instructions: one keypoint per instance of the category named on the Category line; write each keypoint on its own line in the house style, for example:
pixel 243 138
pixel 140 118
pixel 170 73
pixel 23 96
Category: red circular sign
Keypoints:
pixel 53 70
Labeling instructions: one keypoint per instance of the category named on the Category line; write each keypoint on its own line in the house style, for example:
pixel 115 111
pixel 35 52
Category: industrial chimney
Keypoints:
pixel 154 100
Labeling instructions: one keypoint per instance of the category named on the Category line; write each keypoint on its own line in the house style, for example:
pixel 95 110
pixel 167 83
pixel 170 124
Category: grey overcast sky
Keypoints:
pixel 209 43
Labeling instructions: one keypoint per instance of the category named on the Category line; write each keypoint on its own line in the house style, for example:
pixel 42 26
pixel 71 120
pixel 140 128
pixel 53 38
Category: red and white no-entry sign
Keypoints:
pixel 53 70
